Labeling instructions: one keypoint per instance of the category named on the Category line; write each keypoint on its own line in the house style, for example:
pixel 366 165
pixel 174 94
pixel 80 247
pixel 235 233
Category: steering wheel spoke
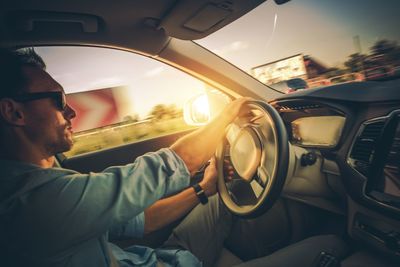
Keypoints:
pixel 263 176
pixel 257 188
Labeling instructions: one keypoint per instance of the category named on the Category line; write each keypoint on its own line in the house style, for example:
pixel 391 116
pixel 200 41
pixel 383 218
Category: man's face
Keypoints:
pixel 47 125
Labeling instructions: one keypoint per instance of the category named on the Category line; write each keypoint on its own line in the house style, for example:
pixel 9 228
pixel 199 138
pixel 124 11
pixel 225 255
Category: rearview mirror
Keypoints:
pixel 201 109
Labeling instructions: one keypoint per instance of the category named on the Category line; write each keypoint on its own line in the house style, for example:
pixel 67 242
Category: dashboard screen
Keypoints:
pixel 322 131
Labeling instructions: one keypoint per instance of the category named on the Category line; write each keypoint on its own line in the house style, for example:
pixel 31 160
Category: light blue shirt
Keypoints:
pixel 59 217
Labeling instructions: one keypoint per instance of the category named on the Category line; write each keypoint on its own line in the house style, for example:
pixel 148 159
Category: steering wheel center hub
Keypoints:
pixel 245 152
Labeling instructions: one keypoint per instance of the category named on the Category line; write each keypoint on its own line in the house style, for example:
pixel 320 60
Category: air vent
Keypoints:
pixel 394 156
pixel 364 147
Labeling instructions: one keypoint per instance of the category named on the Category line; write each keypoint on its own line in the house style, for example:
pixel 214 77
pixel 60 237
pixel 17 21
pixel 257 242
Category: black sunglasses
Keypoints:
pixel 59 98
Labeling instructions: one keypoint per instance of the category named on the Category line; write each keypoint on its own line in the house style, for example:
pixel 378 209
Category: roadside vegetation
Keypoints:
pixel 162 120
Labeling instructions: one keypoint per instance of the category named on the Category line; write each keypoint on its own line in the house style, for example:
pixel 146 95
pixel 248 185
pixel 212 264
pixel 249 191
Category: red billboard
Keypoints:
pixel 94 109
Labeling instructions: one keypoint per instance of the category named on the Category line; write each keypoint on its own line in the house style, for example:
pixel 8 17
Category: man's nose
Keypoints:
pixel 69 112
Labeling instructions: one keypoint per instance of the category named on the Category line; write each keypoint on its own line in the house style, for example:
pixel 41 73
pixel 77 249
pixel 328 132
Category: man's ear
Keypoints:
pixel 11 112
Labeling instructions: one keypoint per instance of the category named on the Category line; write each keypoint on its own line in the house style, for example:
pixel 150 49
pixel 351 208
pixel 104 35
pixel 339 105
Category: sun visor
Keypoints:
pixel 194 19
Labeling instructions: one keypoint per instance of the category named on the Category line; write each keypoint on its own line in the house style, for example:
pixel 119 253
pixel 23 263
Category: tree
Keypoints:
pixel 386 51
pixel 131 118
pixel 383 47
pixel 356 62
pixel 174 111
pixel 159 111
pixel 332 72
pixel 162 111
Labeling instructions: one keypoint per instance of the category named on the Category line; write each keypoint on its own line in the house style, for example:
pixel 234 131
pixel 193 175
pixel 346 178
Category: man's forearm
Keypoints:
pixel 198 147
pixel 168 210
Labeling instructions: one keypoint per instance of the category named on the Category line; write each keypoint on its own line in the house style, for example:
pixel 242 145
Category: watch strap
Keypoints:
pixel 200 194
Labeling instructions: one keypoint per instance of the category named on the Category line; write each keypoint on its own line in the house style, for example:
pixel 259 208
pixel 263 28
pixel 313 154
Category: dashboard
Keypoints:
pixel 312 124
pixel 355 126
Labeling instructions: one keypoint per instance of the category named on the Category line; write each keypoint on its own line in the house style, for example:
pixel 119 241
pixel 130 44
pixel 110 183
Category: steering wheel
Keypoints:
pixel 258 149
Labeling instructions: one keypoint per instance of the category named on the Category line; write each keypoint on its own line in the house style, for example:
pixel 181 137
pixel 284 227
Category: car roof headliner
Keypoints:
pixel 145 26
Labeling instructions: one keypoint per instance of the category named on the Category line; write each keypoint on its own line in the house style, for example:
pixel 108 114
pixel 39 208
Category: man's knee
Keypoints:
pixel 218 210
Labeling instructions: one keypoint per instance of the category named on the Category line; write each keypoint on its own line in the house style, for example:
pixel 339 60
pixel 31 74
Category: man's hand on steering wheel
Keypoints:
pixel 209 182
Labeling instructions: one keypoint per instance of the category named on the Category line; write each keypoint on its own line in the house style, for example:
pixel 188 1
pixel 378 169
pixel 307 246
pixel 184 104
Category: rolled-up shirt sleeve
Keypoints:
pixel 164 164
pixel 83 206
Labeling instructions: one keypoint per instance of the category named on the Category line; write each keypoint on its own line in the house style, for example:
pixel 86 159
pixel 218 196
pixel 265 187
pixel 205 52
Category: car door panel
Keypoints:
pixel 99 160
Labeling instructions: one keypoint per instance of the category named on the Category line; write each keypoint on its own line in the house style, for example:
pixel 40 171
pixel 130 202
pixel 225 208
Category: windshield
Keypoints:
pixel 317 42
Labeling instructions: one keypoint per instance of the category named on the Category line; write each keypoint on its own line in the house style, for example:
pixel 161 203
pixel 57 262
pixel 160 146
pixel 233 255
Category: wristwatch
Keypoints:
pixel 200 194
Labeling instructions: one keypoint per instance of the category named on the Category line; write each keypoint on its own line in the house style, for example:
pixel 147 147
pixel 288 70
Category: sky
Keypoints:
pixel 323 29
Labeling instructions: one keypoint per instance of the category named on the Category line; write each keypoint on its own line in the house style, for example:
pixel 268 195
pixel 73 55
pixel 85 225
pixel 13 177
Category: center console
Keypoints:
pixel 375 155
pixel 372 229
pixel 384 182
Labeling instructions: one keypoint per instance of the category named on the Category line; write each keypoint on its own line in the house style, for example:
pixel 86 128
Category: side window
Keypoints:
pixel 119 97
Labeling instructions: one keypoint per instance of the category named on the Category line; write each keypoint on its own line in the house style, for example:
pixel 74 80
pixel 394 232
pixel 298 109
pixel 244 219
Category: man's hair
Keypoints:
pixel 13 80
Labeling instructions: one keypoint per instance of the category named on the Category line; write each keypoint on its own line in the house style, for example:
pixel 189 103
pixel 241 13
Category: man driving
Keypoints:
pixel 51 216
